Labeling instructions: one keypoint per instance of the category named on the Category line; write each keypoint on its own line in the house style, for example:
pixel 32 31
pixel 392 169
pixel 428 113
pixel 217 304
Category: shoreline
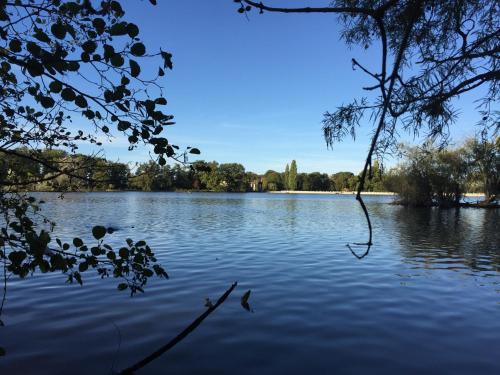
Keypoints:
pixel 374 193
pixel 382 193
pixel 332 192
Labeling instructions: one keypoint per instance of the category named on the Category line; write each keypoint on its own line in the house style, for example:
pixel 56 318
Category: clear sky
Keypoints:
pixel 254 92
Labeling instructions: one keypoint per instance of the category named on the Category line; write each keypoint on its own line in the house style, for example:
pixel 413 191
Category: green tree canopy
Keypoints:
pixel 483 157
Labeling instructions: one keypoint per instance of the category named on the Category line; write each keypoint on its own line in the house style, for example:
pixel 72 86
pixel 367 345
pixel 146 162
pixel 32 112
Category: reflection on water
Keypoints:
pixel 451 238
pixel 426 299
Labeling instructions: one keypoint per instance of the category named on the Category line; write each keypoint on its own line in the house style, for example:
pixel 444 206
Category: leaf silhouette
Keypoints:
pixel 244 301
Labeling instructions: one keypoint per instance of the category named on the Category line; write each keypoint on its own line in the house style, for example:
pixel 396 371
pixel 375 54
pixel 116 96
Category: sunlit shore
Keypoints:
pixel 354 193
pixel 332 192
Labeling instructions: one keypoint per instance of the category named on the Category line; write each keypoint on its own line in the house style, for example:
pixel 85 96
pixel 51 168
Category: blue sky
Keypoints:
pixel 254 92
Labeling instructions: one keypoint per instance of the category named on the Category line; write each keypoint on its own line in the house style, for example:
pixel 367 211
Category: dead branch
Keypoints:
pixel 143 362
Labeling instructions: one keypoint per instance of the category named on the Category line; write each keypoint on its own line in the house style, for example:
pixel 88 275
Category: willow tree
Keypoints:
pixel 431 52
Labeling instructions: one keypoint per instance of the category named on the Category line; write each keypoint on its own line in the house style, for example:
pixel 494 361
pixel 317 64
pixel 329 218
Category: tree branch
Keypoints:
pixel 353 10
pixel 137 366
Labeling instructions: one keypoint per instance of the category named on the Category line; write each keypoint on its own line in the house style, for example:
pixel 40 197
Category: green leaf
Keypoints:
pixel 34 68
pixel 41 36
pixel 55 86
pixel 95 250
pixel 123 252
pixel 109 51
pixel 68 94
pixel 135 69
pixel 15 45
pixel 81 102
pixel 99 25
pixel 119 28
pixel 89 114
pixel 82 267
pixel 58 30
pixel 44 266
pixel 122 286
pixel 138 49
pixel 244 301
pixel 123 125
pixel 98 232
pixel 132 30
pixel 89 46
pixel 117 60
pixel 167 59
pixel 72 66
pixel 77 242
pixel 195 151
pixel 47 102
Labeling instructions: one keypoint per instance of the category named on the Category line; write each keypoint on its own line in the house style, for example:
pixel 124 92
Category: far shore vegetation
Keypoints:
pixel 426 176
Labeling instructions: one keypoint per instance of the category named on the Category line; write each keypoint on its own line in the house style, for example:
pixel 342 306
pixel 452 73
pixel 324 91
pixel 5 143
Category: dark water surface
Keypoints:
pixel 426 299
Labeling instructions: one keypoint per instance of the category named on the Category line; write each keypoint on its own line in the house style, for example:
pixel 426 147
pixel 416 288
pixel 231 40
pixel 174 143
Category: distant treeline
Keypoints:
pixel 426 175
pixel 85 173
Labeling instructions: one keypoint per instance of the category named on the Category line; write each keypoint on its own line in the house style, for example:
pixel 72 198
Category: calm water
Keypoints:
pixel 426 299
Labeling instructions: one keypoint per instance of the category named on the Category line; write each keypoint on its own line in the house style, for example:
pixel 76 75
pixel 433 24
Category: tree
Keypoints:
pixel 344 181
pixel 252 181
pixel 152 177
pixel 484 164
pixel 375 181
pixel 292 177
pixel 118 176
pixel 303 182
pixel 319 181
pixel 430 176
pixel 431 52
pixel 210 176
pixel 62 61
pixel 233 177
pixel 183 178
pixel 286 177
pixel 272 181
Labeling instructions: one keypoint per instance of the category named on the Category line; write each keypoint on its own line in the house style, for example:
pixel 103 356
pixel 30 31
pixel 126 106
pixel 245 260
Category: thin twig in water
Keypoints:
pixel 180 336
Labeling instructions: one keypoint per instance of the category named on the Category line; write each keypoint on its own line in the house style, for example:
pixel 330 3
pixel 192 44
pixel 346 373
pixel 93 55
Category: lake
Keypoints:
pixel 425 300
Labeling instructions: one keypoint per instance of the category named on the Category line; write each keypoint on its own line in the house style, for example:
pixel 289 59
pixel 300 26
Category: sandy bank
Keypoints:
pixel 354 193
pixel 332 192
